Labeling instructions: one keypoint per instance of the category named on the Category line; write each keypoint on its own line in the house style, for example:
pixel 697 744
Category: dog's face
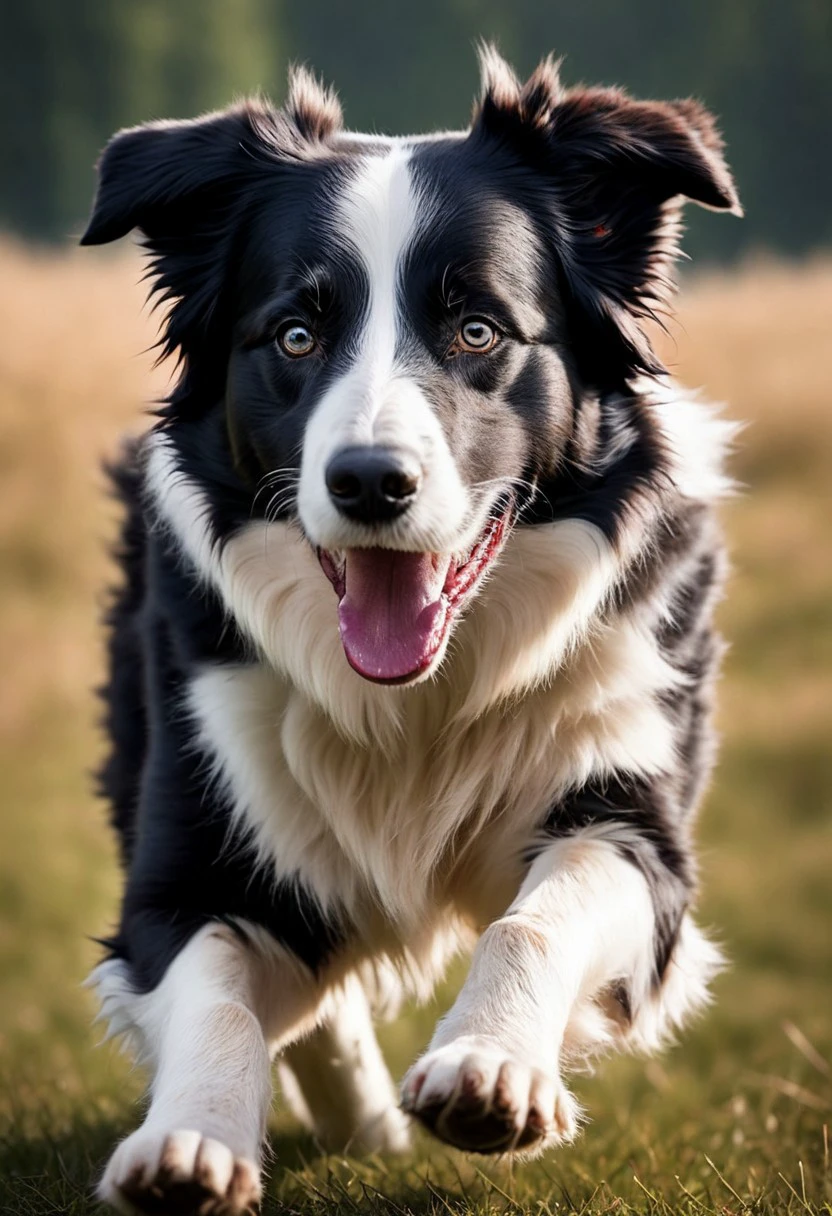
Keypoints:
pixel 393 338
pixel 401 347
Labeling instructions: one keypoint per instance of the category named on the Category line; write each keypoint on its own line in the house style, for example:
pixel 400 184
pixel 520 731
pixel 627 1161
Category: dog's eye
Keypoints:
pixel 296 340
pixel 476 337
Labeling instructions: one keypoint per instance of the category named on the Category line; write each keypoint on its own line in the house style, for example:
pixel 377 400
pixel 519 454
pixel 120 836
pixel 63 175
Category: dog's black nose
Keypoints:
pixel 372 485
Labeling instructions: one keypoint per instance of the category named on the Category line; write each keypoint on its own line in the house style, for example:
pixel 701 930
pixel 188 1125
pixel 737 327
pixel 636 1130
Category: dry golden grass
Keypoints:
pixel 758 340
pixel 73 379
pixel 742 1090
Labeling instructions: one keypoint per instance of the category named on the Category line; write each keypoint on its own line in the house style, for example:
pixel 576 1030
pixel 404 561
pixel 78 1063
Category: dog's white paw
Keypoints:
pixel 179 1173
pixel 474 1096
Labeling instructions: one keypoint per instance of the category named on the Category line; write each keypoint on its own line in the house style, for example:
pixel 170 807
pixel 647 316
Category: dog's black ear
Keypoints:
pixel 185 185
pixel 148 174
pixel 617 172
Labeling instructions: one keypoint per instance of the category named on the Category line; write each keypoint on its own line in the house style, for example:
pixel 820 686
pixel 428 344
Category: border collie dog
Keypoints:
pixel 413 647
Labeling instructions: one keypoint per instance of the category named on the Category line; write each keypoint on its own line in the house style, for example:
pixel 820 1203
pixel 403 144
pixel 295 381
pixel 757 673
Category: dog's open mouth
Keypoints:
pixel 395 609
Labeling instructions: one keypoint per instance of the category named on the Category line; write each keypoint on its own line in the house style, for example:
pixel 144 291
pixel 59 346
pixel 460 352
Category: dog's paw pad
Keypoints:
pixel 179 1173
pixel 479 1099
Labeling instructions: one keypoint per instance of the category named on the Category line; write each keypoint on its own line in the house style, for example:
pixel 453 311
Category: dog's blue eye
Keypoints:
pixel 477 336
pixel 296 340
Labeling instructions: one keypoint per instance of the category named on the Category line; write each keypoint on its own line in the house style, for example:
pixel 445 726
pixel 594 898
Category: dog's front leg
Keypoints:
pixel 202 1031
pixel 582 924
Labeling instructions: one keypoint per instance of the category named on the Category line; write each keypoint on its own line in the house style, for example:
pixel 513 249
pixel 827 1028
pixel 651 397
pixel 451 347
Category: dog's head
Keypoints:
pixel 389 340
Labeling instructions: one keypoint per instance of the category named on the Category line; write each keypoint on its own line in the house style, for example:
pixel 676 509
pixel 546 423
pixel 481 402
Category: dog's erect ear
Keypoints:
pixel 617 172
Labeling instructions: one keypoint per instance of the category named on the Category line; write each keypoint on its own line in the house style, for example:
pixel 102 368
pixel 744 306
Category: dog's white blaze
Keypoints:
pixel 377 218
pixel 376 402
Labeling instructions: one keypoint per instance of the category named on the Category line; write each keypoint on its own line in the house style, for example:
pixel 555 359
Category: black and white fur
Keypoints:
pixel 301 843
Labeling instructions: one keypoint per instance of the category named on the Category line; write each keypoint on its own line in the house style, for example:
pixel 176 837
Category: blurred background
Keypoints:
pixel 736 1118
pixel 71 73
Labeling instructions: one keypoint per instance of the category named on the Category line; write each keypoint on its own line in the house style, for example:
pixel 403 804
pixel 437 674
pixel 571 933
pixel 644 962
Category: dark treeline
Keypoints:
pixel 71 71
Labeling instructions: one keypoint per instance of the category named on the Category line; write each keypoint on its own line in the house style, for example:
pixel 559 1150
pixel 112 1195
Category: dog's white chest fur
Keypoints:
pixel 391 803
pixel 433 814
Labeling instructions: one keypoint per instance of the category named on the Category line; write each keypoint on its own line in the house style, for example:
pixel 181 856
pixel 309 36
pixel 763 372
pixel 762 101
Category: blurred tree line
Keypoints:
pixel 72 71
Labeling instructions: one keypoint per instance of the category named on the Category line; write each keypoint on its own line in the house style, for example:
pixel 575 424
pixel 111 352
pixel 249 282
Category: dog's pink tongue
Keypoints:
pixel 392 613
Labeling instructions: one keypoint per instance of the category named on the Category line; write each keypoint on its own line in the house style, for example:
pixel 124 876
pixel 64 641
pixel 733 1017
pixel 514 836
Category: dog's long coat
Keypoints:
pixel 414 643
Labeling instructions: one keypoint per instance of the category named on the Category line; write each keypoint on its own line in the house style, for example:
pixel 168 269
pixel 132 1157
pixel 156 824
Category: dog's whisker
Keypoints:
pixel 278 503
pixel 290 476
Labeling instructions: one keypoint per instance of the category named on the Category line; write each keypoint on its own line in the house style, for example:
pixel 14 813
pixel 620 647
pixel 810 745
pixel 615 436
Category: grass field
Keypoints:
pixel 733 1119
